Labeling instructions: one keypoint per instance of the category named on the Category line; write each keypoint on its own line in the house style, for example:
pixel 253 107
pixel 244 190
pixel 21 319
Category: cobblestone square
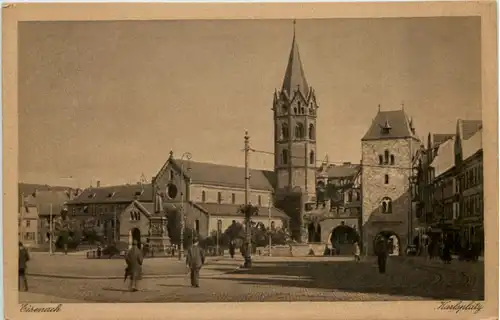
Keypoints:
pixel 283 279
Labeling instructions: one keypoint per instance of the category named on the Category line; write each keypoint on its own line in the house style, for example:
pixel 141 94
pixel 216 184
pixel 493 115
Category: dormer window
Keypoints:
pixel 139 193
pixel 92 195
pixel 111 194
pixel 386 128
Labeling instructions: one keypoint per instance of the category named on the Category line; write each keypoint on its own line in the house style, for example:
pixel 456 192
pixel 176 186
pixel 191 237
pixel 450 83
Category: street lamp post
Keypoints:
pixel 188 156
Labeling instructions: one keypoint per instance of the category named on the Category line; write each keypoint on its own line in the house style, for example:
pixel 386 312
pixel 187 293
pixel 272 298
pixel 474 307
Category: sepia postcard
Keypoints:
pixel 222 161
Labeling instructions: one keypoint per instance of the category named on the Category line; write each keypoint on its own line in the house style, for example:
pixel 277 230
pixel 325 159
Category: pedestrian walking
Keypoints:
pixel 195 259
pixel 357 252
pixel 24 257
pixel 134 261
pixel 232 248
pixel 382 253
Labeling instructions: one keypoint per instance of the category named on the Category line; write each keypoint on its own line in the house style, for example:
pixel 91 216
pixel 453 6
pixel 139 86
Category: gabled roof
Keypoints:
pixel 445 158
pixel 114 194
pixel 398 122
pixel 469 127
pixel 346 170
pixel 234 210
pixel 294 75
pixel 473 144
pixel 43 200
pixel 226 176
pixel 439 138
pixel 143 207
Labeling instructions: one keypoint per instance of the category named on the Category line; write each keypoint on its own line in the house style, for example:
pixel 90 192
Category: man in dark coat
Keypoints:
pixel 195 258
pixel 381 252
pixel 24 257
pixel 134 260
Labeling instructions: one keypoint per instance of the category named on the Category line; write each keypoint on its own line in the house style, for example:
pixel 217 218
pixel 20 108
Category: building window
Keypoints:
pixel 311 131
pixel 203 196
pixel 259 200
pixel 349 196
pixel 171 174
pixel 386 179
pixel 135 216
pixel 392 159
pixel 299 131
pixel 284 131
pixel 233 198
pixel 219 197
pixel 284 156
pixel 386 157
pixel 380 159
pixel 197 225
pixel 386 205
pixel 311 157
pixel 28 222
pixel 284 108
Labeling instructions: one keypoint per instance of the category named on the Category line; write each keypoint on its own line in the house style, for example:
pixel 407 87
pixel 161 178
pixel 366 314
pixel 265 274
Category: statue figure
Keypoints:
pixel 304 234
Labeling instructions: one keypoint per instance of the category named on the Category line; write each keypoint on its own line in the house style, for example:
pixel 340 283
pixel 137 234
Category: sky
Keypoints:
pixel 108 100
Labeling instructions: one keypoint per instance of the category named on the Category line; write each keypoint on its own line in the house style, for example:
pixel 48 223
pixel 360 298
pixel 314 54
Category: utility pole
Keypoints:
pixel 248 235
pixel 114 226
pixel 50 230
pixel 183 186
pixel 270 231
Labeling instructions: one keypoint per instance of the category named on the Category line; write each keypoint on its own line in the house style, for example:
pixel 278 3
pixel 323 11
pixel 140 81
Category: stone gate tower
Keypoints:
pixel 295 109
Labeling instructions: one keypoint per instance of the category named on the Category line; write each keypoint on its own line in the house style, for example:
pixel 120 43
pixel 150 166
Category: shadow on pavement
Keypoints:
pixel 401 279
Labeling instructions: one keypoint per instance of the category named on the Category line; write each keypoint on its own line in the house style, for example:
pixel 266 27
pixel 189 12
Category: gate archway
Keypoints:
pixel 392 240
pixel 342 239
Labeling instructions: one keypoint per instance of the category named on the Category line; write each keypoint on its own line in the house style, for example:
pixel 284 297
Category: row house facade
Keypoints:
pixel 38 204
pixel 451 184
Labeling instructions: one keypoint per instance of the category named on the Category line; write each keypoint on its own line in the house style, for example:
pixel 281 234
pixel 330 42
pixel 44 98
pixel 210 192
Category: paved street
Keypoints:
pixel 286 279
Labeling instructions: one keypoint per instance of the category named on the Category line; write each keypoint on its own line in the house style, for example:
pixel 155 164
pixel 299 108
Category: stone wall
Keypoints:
pixel 375 189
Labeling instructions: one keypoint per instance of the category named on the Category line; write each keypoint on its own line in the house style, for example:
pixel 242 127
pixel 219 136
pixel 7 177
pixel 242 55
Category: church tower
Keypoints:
pixel 295 109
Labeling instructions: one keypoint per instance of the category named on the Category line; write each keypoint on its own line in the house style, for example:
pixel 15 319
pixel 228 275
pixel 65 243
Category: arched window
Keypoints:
pixel 203 196
pixel 233 198
pixel 219 197
pixel 311 157
pixel 284 108
pixel 284 131
pixel 284 156
pixel 380 159
pixel 349 196
pixel 386 179
pixel 311 131
pixel 299 131
pixel 386 156
pixel 392 159
pixel 386 205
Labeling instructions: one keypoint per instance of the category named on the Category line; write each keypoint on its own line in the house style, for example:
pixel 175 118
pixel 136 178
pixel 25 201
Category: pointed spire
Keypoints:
pixel 295 78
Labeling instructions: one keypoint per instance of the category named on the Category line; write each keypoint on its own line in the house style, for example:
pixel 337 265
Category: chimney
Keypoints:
pixel 98 183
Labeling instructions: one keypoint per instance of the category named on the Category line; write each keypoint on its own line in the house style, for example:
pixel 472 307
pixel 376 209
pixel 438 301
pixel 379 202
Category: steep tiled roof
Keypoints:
pixel 44 199
pixel 469 127
pixel 234 210
pixel 29 188
pixel 294 76
pixel 439 138
pixel 226 176
pixel 341 171
pixel 473 144
pixel 122 193
pixel 397 121
pixel 445 158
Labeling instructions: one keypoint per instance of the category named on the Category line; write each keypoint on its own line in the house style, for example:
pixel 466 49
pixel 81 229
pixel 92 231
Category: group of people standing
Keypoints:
pixel 443 246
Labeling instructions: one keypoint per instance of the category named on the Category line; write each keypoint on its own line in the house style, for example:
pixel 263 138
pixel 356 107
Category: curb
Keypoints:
pixel 144 276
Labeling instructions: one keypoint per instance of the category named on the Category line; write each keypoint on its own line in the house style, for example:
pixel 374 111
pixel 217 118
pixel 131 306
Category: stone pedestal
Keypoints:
pixel 158 235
